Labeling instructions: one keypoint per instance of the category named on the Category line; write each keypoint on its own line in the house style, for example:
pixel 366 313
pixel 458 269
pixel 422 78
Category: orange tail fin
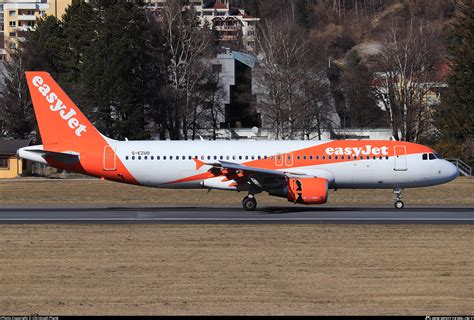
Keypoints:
pixel 63 127
pixel 61 123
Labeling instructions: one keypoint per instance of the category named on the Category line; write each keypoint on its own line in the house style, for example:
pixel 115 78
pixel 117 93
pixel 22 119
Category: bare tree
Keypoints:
pixel 292 86
pixel 315 110
pixel 186 44
pixel 405 76
pixel 211 103
pixel 16 113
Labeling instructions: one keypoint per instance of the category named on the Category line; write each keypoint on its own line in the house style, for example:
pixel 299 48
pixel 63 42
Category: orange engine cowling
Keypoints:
pixel 308 190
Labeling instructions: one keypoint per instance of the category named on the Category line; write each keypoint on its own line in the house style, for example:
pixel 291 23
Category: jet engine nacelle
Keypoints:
pixel 307 190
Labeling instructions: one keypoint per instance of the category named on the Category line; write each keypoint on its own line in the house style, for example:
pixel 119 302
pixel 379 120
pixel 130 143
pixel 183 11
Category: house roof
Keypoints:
pixel 216 4
pixel 10 147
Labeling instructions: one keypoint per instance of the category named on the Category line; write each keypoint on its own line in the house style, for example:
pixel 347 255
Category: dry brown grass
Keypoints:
pixel 236 269
pixel 94 192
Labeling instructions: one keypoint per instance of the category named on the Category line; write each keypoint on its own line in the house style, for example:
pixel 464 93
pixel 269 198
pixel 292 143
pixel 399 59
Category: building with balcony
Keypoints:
pixel 230 25
pixel 21 15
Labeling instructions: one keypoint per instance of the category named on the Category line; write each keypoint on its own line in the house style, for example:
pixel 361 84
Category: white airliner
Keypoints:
pixel 300 171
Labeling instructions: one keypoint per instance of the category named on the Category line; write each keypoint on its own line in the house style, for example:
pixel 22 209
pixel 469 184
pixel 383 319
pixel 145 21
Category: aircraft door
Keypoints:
pixel 400 163
pixel 110 159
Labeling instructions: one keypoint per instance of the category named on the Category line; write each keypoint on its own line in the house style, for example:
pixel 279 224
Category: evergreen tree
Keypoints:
pixel 362 109
pixel 48 47
pixel 455 119
pixel 79 26
pixel 113 74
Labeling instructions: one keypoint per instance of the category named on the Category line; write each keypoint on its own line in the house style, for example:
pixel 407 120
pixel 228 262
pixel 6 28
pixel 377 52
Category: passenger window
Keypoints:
pixel 258 157
pixel 336 157
pixel 221 157
pixel 164 157
pixel 189 158
pixel 298 157
pixel 152 158
pixel 368 157
pixel 386 157
pixel 324 157
pixel 233 157
pixel 253 157
pixel 342 157
pixel 265 157
pixel 215 157
pixel 330 157
pixel 133 157
pixel 208 157
pixel 202 157
pixel 157 157
pixel 246 157
pixel 184 158
pixel 317 157
pixel 227 157
pixel 139 157
pixel 304 157
pixel 171 157
pixel 432 156
pixel 374 157
pixel 146 158
pixel 126 158
pixel 310 157
pixel 240 157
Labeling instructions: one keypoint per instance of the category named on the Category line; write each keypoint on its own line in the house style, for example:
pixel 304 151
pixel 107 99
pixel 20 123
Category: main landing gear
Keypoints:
pixel 249 203
pixel 398 196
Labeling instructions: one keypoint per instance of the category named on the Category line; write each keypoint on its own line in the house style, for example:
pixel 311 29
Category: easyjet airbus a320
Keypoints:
pixel 300 171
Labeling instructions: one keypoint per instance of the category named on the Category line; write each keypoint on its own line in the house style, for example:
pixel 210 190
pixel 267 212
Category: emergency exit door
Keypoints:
pixel 110 159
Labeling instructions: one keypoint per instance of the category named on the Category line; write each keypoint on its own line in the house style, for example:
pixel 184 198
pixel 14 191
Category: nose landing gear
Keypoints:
pixel 398 196
pixel 249 203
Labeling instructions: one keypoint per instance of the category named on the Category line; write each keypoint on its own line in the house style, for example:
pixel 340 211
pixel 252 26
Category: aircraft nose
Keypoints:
pixel 450 171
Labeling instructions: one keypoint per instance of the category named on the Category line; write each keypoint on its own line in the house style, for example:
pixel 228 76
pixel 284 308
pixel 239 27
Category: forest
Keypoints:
pixel 373 63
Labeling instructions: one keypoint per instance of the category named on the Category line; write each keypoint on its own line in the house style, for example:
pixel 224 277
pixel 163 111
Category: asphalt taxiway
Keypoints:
pixel 264 215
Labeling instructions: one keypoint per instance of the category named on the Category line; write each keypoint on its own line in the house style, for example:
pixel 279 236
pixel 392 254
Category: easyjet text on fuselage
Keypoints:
pixel 357 151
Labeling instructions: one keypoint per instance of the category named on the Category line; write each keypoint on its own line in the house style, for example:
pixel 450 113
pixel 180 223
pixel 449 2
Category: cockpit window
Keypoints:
pixel 425 156
pixel 437 155
pixel 432 156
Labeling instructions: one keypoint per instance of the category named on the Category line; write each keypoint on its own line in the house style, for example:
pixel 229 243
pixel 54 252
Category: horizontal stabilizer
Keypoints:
pixel 66 158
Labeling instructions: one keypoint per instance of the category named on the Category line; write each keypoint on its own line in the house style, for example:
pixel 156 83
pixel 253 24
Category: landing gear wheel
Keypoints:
pixel 398 198
pixel 249 203
pixel 399 204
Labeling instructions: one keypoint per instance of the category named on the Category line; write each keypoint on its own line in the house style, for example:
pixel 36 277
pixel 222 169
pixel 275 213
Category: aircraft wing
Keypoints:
pixel 232 166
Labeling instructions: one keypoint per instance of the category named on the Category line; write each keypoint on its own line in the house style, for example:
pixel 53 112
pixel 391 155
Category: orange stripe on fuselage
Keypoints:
pixel 320 151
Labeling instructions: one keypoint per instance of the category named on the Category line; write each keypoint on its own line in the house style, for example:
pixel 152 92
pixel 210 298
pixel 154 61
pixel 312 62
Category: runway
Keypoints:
pixel 265 215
